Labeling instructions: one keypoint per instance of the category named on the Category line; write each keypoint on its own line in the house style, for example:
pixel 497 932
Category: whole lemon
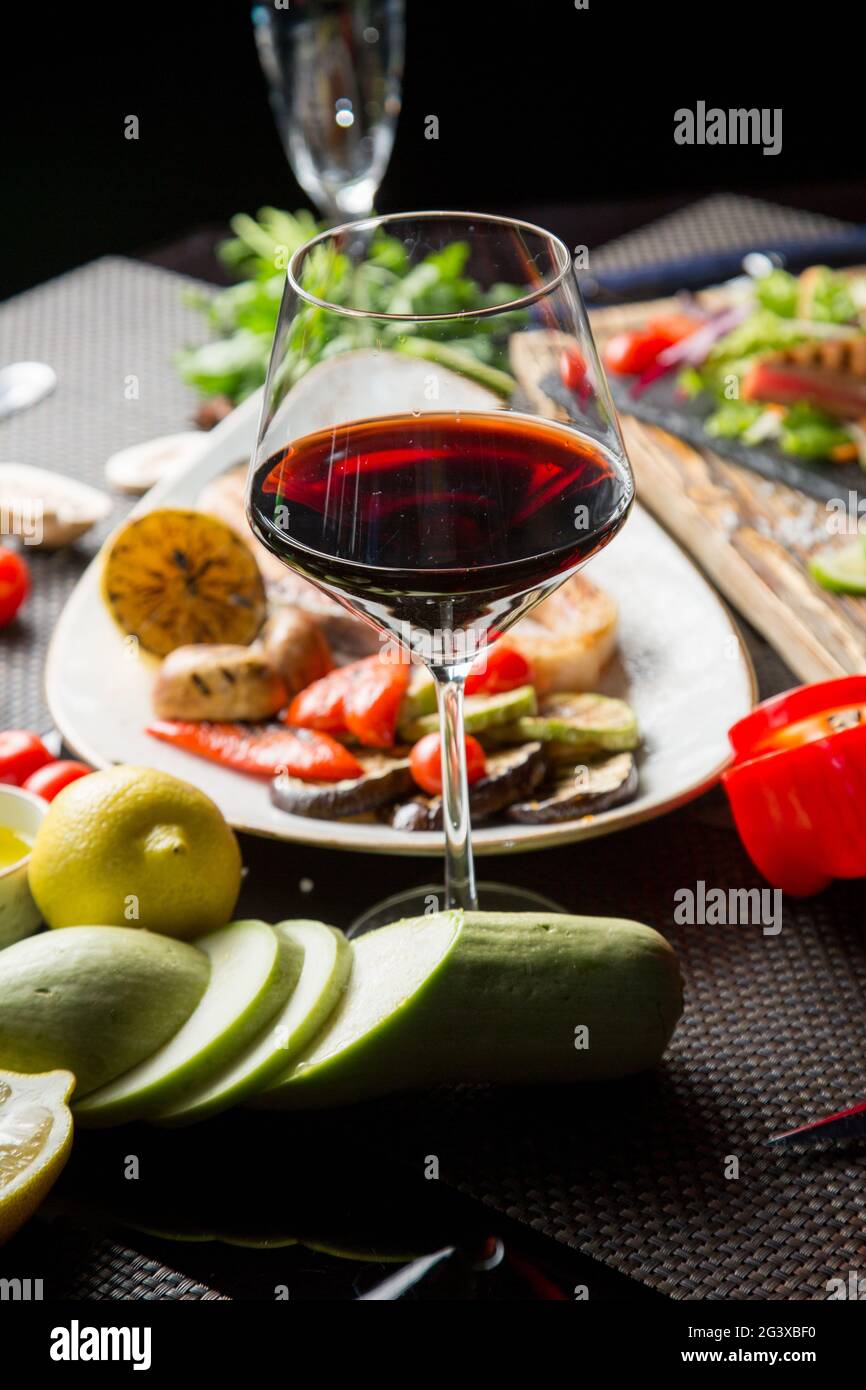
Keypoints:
pixel 132 846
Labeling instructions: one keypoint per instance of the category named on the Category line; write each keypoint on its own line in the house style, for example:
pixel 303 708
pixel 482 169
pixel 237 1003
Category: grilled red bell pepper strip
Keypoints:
pixel 789 383
pixel 320 705
pixel 627 354
pixel 362 699
pixel 498 669
pixel 262 750
pixel 797 785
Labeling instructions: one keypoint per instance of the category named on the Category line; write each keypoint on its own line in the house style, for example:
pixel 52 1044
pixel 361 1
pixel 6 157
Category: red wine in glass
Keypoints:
pixel 440 503
pixel 440 523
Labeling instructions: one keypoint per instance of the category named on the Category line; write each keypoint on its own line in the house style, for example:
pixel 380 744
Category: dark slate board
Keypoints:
pixel 658 405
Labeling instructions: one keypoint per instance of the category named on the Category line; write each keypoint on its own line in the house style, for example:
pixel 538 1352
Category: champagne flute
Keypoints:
pixel 334 70
pixel 400 470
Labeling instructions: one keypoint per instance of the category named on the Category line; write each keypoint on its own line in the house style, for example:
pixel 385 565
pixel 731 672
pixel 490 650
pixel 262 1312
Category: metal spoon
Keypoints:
pixel 23 384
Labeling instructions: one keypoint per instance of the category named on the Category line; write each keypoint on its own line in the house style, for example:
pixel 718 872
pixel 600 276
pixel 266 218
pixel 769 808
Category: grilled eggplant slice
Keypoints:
pixel 385 779
pixel 575 792
pixel 512 773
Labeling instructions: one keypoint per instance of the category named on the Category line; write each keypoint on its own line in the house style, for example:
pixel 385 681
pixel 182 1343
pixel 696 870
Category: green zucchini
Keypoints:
pixel 575 726
pixel 499 997
pixel 480 712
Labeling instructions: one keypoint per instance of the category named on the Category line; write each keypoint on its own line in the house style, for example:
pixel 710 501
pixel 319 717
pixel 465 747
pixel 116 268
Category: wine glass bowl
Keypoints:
pixel 404 470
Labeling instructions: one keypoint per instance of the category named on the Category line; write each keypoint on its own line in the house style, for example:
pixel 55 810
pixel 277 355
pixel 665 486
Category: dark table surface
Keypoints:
pixel 592 224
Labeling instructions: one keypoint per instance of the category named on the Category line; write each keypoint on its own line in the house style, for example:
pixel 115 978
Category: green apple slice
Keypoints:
pixel 393 969
pixel 94 1000
pixel 324 975
pixel 253 969
pixel 841 569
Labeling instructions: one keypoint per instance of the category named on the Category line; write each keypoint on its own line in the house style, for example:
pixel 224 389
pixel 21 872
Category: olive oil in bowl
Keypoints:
pixel 13 848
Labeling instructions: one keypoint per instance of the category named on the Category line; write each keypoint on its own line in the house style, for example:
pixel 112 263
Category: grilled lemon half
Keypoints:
pixel 174 577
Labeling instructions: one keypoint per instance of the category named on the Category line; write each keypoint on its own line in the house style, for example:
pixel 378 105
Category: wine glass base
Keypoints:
pixel 418 902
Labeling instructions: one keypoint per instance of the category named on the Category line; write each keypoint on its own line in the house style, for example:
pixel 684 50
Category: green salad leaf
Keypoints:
pixel 810 433
pixel 762 331
pixel 831 300
pixel 245 315
pixel 732 419
pixel 778 292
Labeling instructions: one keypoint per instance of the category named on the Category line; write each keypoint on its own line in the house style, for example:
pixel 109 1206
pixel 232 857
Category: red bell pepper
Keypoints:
pixel 797 785
pixel 628 354
pixel 789 383
pixel 262 750
pixel 361 699
pixel 497 669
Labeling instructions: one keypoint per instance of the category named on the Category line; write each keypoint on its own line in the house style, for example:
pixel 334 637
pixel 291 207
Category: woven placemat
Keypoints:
pixel 637 1174
pixel 108 330
pixel 714 224
pixel 633 1174
pixel 113 1271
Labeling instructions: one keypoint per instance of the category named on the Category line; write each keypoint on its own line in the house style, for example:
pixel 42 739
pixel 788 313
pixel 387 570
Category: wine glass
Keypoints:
pixel 402 468
pixel 334 69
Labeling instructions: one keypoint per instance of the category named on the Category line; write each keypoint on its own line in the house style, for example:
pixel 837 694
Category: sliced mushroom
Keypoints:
pixel 385 778
pixel 212 411
pixel 511 774
pixel 218 682
pixel 137 468
pixel 581 791
pixel 47 509
pixel 296 648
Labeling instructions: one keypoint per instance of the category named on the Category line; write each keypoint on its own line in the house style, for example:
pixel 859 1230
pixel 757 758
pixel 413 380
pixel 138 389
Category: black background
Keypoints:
pixel 540 107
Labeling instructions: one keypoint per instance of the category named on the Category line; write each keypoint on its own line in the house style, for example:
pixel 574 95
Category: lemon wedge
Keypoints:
pixel 35 1139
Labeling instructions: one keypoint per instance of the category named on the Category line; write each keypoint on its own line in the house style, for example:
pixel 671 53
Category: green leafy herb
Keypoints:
pixel 778 292
pixel 810 433
pixel 732 419
pixel 830 300
pixel 385 283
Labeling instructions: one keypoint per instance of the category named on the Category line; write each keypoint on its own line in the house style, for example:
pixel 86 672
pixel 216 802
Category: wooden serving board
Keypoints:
pixel 753 537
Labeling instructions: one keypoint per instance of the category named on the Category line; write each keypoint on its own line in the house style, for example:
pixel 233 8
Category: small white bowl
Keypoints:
pixel 23 813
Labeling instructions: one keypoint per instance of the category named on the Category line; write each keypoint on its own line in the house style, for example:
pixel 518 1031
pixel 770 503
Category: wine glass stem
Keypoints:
pixel 459 868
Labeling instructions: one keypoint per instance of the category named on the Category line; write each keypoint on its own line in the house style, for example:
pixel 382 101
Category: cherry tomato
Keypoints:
pixel 627 354
pixel 497 669
pixel 50 779
pixel 21 753
pixel 425 762
pixel 673 326
pixel 572 369
pixel 14 585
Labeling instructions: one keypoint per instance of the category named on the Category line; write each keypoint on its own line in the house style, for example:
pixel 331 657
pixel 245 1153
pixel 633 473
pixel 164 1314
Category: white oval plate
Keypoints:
pixel 681 664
